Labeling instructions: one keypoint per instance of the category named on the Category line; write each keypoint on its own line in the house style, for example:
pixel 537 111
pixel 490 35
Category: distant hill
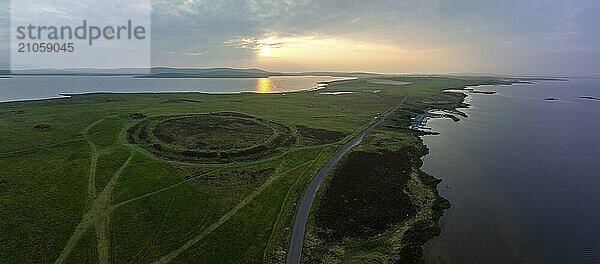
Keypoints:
pixel 80 72
pixel 157 72
pixel 172 72
pixel 341 74
pixel 4 68
pixel 165 72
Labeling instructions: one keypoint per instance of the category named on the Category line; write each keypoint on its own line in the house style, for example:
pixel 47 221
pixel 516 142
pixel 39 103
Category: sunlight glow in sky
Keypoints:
pixel 520 37
pixel 343 54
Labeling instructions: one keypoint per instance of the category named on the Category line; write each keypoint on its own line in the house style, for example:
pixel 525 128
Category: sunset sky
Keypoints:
pixel 517 37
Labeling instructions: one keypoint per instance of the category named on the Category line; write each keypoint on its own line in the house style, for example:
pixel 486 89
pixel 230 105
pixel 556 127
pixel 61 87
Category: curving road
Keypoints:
pixel 295 250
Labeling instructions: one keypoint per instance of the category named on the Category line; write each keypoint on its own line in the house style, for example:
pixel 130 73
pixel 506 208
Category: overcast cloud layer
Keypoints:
pixel 517 37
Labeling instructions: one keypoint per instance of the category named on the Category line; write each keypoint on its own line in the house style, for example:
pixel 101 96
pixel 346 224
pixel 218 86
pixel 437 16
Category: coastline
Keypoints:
pixel 419 123
pixel 487 218
pixel 423 233
pixel 465 103
pixel 402 241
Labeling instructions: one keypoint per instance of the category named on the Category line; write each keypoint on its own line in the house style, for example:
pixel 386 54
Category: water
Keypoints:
pixel 43 87
pixel 522 174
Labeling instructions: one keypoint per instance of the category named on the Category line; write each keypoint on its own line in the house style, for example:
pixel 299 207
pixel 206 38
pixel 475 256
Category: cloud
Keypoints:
pixel 194 53
pixel 272 42
pixel 511 36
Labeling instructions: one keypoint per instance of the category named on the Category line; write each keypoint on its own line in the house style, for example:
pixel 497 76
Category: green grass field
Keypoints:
pixel 73 190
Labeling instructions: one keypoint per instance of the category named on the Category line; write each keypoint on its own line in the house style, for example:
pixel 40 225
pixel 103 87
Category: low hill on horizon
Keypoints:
pixel 174 72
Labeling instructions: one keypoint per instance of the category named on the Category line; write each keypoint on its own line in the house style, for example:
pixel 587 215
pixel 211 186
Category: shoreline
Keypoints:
pixel 425 247
pixel 419 123
pixel 468 143
pixel 405 240
pixel 317 86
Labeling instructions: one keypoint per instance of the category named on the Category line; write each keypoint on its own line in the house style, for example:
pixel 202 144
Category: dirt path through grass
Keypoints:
pixel 169 257
pixel 99 216
pixel 99 212
pixel 102 216
pixel 91 187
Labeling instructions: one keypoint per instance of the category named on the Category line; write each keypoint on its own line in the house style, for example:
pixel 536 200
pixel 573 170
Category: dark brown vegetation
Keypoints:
pixel 365 196
pixel 320 136
pixel 137 115
pixel 3 184
pixel 230 178
pixel 212 132
pixel 217 137
pixel 42 127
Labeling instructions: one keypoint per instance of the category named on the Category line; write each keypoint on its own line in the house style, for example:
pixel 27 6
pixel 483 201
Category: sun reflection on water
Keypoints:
pixel 264 85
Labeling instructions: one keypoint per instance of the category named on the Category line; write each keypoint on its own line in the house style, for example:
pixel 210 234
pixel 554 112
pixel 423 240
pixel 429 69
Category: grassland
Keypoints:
pixel 73 189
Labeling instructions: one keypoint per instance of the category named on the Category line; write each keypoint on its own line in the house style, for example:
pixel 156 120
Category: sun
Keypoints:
pixel 265 51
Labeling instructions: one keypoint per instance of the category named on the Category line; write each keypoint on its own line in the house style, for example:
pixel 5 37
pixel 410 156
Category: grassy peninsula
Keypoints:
pixel 126 178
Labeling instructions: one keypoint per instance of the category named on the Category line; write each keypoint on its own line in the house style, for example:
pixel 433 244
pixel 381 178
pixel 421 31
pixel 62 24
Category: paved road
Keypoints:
pixel 295 250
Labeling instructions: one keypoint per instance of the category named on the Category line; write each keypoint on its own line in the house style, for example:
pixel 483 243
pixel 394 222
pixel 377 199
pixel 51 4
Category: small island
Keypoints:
pixel 483 92
pixel 590 98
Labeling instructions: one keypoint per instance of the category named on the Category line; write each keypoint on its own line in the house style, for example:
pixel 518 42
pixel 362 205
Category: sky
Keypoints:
pixel 509 37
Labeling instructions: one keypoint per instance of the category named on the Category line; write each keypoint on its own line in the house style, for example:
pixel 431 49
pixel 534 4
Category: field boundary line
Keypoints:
pixel 115 206
pixel 169 257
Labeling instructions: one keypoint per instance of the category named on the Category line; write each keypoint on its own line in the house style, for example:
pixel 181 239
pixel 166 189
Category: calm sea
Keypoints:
pixel 522 174
pixel 43 87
